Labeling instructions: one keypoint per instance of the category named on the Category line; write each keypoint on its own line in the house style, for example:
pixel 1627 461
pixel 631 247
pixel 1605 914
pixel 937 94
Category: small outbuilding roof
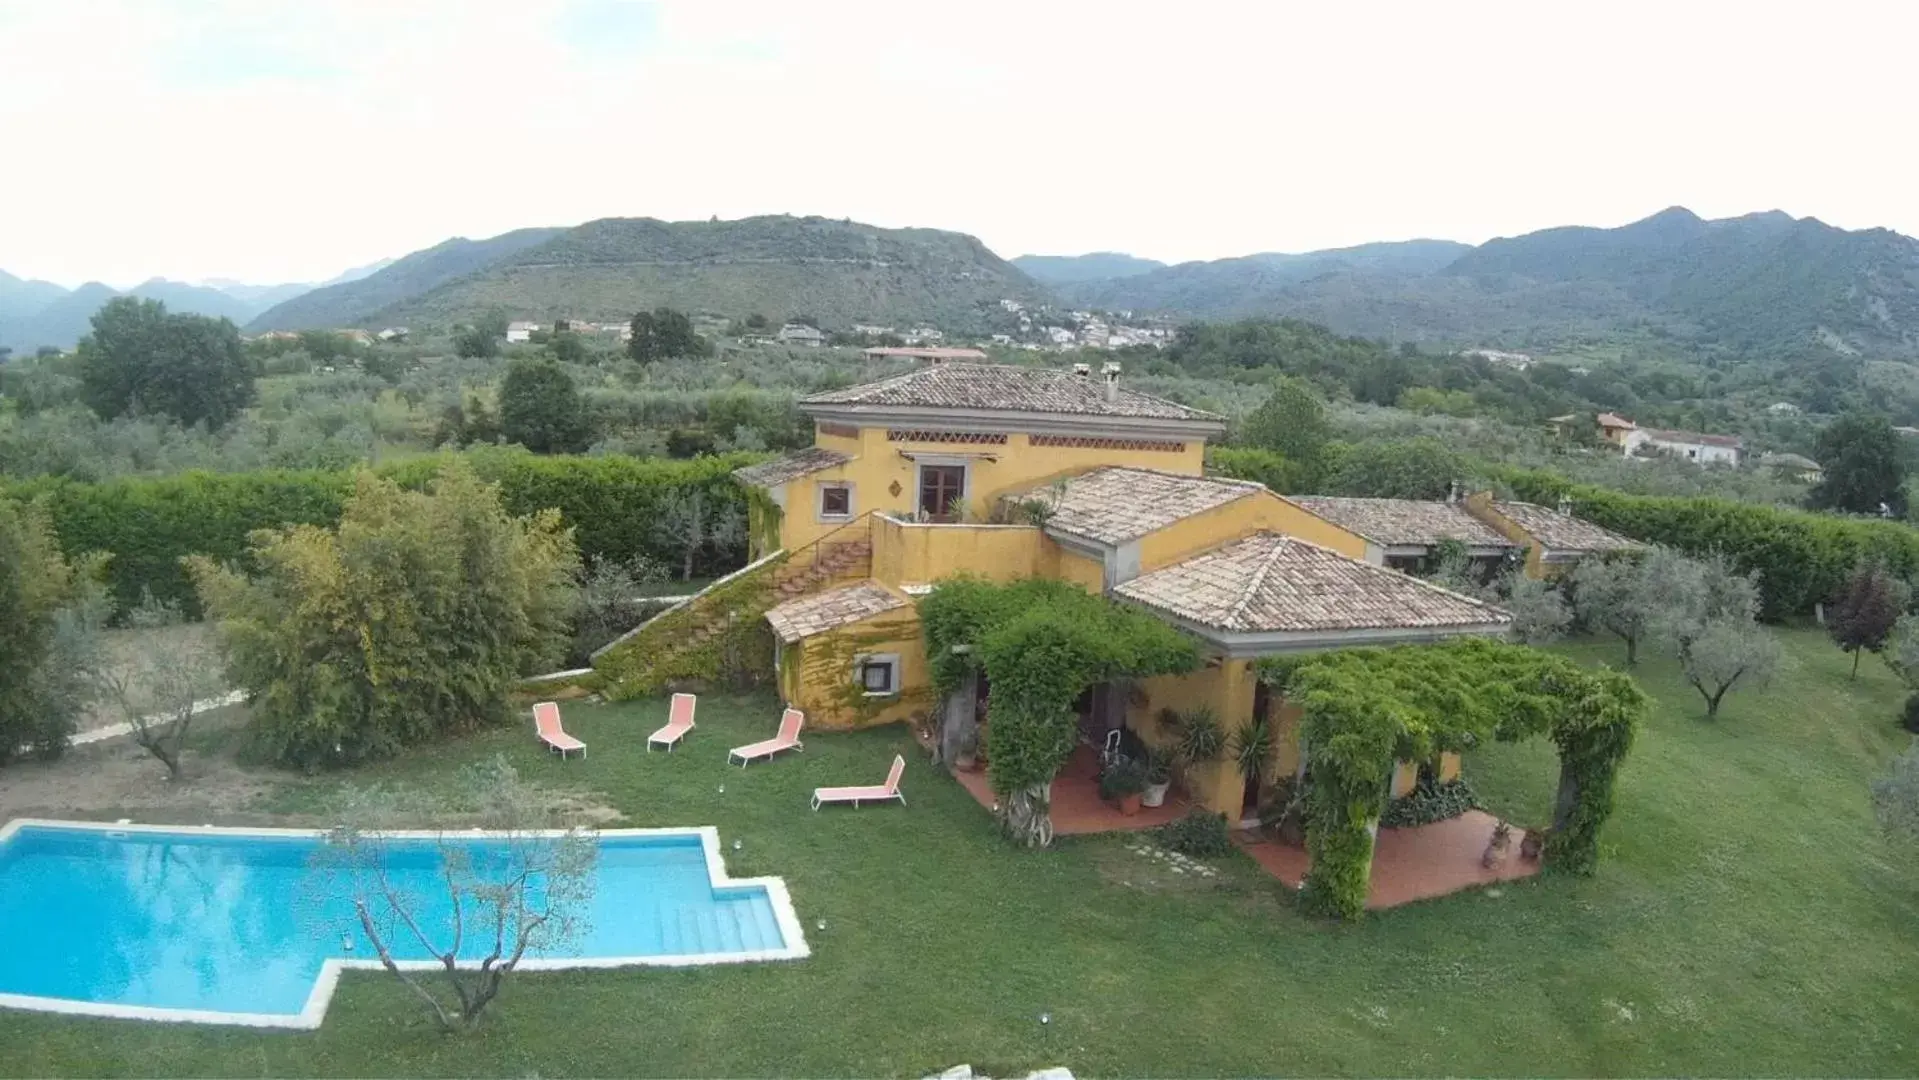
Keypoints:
pixel 1562 532
pixel 807 616
pixel 1270 583
pixel 768 474
pixel 1403 522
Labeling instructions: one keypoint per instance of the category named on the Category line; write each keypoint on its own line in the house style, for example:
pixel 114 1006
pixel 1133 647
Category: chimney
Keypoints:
pixel 1111 372
pixel 1566 505
pixel 1452 491
pixel 1082 370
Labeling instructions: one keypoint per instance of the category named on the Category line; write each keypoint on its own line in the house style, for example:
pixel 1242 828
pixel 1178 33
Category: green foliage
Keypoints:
pixel 1364 709
pixel 1120 778
pixel 1430 801
pixel 1290 422
pixel 1201 834
pixel 613 504
pixel 141 359
pixel 540 408
pixel 720 637
pixel 662 334
pixel 1252 747
pixel 1198 735
pixel 1622 595
pixel 1909 716
pixel 1864 468
pixel 1423 468
pixel 1800 557
pixel 1725 653
pixel 1279 473
pixel 477 342
pixel 45 604
pixel 409 621
pixel 1041 643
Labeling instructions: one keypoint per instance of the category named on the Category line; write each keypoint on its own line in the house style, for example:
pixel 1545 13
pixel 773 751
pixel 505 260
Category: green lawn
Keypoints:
pixel 1747 919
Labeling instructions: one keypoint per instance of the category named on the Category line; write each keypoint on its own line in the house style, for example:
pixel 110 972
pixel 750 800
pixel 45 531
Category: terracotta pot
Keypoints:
pixel 1532 845
pixel 1129 804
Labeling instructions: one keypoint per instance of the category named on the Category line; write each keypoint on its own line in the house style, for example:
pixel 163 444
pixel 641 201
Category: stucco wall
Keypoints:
pixel 910 553
pixel 1017 465
pixel 1228 689
pixel 1223 524
pixel 818 676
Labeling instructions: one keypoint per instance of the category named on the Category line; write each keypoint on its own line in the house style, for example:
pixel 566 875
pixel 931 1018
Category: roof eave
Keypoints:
pixel 1238 644
pixel 1021 420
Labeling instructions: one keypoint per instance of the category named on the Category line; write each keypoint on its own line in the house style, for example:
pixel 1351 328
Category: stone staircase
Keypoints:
pixel 719 634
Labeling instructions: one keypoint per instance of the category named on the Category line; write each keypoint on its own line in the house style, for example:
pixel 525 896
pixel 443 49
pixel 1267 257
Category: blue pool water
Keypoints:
pixel 244 923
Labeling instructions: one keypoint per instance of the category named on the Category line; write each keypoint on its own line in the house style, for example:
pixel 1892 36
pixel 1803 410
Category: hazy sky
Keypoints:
pixel 287 141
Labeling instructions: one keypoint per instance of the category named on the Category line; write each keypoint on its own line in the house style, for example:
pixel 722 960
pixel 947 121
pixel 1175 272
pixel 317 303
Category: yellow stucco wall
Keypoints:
pixel 1058 562
pixel 817 676
pixel 1480 505
pixel 1220 525
pixel 909 553
pixel 877 467
pixel 1228 688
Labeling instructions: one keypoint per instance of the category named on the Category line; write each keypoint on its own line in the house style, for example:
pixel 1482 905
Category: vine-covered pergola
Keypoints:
pixel 1040 644
pixel 1365 709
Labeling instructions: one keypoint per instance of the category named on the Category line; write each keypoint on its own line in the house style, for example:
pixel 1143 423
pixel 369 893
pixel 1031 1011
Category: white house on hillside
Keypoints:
pixel 801 334
pixel 1686 445
pixel 520 331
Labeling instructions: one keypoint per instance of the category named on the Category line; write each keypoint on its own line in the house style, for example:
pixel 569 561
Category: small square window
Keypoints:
pixel 879 675
pixel 836 501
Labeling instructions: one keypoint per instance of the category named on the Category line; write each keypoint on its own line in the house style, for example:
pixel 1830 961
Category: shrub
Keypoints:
pixel 1121 778
pixel 1201 834
pixel 1430 801
pixel 408 621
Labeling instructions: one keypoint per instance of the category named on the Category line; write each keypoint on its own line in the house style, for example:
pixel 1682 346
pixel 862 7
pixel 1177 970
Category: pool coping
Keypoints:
pixel 328 979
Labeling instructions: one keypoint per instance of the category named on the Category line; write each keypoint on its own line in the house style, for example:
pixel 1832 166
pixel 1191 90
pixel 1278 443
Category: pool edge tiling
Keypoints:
pixel 314 1011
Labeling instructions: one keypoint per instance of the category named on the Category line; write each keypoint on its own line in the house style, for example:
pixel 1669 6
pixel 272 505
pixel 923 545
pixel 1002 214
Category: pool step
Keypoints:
pixel 691 929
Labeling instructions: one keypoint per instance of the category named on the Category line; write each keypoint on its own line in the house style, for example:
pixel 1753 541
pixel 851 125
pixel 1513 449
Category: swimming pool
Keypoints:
pixel 237 926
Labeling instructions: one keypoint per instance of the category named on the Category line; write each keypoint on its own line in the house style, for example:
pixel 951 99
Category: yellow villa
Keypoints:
pixel 916 478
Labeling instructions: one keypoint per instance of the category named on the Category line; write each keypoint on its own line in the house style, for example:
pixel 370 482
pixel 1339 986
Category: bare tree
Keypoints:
pixel 693 521
pixel 171 676
pixel 478 904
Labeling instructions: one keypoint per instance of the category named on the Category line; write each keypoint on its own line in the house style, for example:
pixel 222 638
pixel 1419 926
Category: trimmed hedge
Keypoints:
pixel 1802 557
pixel 148 523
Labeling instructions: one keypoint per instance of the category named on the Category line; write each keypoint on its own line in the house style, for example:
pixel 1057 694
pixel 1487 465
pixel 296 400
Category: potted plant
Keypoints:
pixel 1198 739
pixel 1159 777
pixel 1532 844
pixel 1122 783
pixel 1497 847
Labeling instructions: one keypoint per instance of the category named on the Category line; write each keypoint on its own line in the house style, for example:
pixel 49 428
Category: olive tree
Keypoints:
pixel 1726 653
pixel 452 915
pixel 1896 797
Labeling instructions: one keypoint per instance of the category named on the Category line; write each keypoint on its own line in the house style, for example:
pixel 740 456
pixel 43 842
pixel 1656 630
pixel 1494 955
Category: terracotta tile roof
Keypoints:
pixel 1563 532
pixel 1269 583
pixel 781 469
pixel 1614 420
pixel 805 616
pixel 1008 388
pixel 1403 521
pixel 1113 505
pixel 945 353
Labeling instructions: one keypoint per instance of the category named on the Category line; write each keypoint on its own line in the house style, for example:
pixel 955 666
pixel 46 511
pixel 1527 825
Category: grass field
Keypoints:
pixel 1747 919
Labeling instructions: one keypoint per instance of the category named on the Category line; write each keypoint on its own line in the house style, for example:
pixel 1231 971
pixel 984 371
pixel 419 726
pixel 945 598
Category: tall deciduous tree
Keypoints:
pixel 1862 616
pixel 664 333
pixel 1864 471
pixel 411 619
pixel 1291 421
pixel 140 358
pixel 540 408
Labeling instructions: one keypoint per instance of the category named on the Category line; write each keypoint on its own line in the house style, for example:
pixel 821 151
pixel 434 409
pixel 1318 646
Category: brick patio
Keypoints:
pixel 1077 807
pixel 1409 864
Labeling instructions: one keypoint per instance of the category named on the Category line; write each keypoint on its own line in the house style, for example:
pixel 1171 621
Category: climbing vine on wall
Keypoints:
pixel 1040 644
pixel 1364 709
pixel 719 636
pixel 832 660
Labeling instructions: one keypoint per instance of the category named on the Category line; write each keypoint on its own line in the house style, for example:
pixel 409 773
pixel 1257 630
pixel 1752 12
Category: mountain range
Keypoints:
pixel 1764 282
pixel 835 272
pixel 36 313
pixel 1761 282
